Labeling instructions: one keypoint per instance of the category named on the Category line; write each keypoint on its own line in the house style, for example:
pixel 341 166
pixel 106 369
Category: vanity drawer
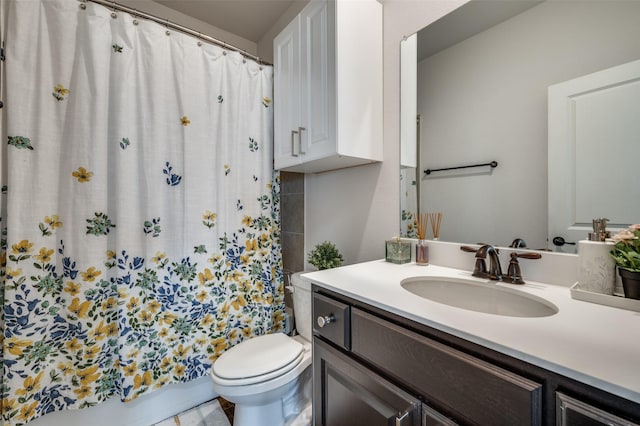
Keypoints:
pixel 331 320
pixel 471 389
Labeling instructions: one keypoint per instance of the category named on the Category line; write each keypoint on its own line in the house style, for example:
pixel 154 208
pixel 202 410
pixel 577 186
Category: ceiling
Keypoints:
pixel 249 19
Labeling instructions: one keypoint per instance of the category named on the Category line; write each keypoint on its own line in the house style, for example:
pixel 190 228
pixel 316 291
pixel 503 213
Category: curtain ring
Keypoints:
pixel 114 15
pixel 167 27
pixel 199 36
pixel 135 13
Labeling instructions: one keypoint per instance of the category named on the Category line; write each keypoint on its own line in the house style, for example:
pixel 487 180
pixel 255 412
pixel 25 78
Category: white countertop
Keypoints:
pixel 594 344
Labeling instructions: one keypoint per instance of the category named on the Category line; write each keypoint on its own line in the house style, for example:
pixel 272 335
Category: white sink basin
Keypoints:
pixel 479 297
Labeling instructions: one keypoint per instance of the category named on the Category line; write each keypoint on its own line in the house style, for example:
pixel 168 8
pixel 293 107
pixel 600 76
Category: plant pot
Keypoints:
pixel 630 283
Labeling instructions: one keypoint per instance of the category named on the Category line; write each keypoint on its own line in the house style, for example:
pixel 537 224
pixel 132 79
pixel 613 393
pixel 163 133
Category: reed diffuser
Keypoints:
pixel 436 219
pixel 422 249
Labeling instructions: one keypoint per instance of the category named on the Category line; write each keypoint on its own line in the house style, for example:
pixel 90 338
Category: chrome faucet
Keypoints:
pixel 495 270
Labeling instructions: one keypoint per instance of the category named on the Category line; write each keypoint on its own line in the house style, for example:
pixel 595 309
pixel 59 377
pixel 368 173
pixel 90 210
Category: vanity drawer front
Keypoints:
pixel 472 390
pixel 331 320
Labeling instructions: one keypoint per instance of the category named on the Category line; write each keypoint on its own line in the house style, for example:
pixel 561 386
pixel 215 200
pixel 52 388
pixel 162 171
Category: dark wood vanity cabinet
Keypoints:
pixel 371 368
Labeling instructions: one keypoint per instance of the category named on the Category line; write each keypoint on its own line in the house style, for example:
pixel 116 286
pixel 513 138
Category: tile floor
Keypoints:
pixel 217 412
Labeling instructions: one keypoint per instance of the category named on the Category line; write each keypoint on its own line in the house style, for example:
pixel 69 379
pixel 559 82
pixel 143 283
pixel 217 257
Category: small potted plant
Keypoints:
pixel 325 256
pixel 626 253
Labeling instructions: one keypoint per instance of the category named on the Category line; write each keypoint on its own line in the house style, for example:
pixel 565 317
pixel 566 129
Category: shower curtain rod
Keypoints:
pixel 136 13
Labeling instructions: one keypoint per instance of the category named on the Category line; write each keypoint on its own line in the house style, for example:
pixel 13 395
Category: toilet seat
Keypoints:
pixel 257 360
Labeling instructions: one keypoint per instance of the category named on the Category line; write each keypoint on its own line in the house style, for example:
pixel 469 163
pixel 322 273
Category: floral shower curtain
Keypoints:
pixel 140 230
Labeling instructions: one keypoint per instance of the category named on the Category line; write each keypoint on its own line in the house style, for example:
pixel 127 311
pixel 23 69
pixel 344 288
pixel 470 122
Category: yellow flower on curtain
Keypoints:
pixel 144 380
pixel 72 288
pixel 158 257
pixel 205 276
pixel 219 346
pixel 90 274
pixel 30 385
pixel 202 296
pixel 239 302
pixel 66 368
pixel 16 346
pixel 181 351
pixel 45 255
pixel 179 370
pixel 59 92
pixel 99 332
pixel 109 304
pixel 8 405
pixel 83 392
pixel 12 273
pixel 27 411
pixel 53 221
pixel 23 247
pixel 78 308
pixel 91 351
pixel 185 121
pixel 88 375
pixel 131 369
pixel 82 174
pixel 154 306
pixel 73 345
pixel 251 245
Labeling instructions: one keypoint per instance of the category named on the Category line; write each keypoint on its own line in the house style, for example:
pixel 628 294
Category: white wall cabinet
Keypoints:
pixel 328 87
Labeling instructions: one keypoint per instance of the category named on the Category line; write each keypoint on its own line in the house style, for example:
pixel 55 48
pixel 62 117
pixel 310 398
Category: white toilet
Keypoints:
pixel 263 374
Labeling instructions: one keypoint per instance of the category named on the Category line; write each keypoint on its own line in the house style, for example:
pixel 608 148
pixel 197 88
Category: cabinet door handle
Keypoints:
pixel 325 320
pixel 293 143
pixel 300 129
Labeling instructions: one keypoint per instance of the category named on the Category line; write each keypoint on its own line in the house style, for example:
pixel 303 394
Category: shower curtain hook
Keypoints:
pixel 167 27
pixel 114 15
pixel 83 4
pixel 135 15
pixel 199 37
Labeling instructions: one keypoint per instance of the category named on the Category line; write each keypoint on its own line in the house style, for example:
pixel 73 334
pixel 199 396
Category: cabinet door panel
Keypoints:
pixel 286 93
pixel 475 391
pixel 348 394
pixel 572 412
pixel 431 417
pixel 317 63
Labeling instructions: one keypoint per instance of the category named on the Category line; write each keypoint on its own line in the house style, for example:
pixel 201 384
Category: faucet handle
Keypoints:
pixel 480 267
pixel 468 249
pixel 514 275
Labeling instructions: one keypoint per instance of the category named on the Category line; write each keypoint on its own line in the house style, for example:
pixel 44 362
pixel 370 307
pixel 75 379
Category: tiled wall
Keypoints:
pixel 292 210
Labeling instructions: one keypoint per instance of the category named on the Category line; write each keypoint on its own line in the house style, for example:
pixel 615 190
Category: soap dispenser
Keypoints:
pixel 597 268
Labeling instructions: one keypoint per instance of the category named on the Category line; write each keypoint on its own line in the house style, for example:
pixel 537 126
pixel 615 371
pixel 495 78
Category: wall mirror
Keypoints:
pixel 477 81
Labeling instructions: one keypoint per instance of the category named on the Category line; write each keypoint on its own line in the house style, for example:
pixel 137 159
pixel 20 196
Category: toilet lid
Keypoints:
pixel 258 356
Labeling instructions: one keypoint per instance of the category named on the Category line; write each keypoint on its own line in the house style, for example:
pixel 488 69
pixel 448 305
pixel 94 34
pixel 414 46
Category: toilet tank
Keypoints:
pixel 302 304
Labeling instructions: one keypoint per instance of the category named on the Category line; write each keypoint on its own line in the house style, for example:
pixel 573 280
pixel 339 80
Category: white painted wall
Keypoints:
pixel 486 99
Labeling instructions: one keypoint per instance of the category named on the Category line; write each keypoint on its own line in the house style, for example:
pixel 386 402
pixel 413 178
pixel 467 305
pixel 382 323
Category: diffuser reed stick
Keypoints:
pixel 436 219
pixel 422 220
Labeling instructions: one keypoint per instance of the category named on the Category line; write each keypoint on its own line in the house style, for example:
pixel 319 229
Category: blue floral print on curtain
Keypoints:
pixel 137 247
